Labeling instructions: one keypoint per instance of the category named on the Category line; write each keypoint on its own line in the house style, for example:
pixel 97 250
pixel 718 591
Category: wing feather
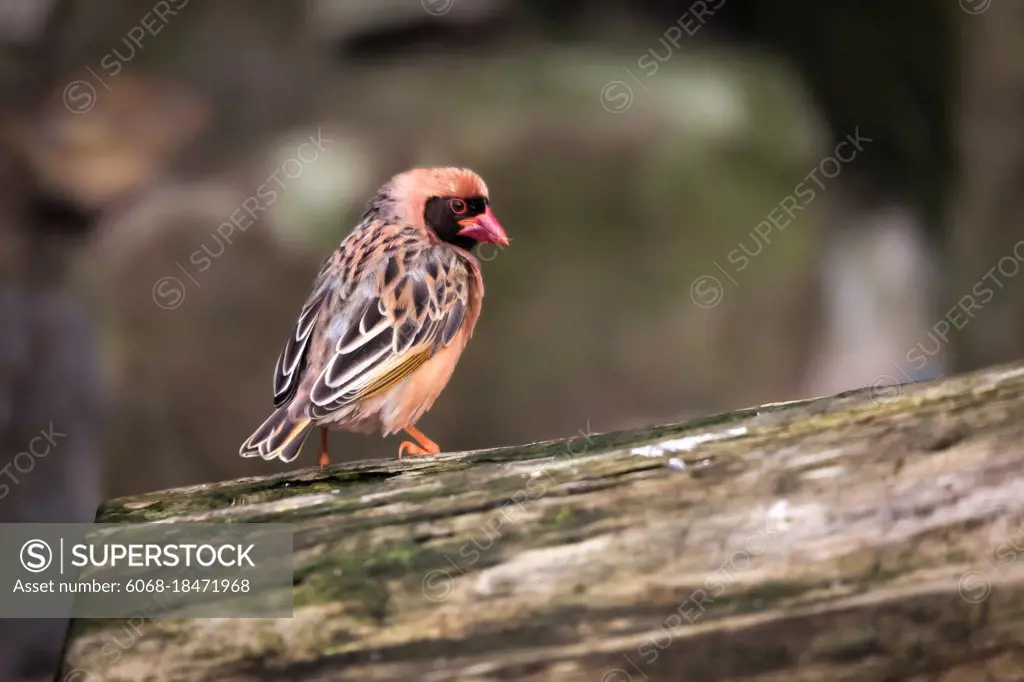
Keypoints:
pixel 394 328
pixel 292 360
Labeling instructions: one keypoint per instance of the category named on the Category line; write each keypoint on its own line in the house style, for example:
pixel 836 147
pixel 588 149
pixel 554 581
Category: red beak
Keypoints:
pixel 484 228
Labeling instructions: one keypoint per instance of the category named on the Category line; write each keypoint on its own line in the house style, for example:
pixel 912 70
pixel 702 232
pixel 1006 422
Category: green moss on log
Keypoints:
pixel 818 540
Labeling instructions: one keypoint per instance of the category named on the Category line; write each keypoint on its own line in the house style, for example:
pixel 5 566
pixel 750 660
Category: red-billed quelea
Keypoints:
pixel 387 319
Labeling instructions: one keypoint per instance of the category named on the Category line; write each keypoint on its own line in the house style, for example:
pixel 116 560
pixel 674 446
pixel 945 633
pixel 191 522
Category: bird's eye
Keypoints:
pixel 458 206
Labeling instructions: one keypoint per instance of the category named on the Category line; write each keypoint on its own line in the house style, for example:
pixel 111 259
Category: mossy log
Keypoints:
pixel 866 536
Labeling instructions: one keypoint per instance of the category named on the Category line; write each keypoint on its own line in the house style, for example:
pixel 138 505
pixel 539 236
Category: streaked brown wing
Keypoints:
pixel 292 361
pixel 412 306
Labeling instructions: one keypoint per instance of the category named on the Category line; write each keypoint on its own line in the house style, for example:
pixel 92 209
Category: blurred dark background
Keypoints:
pixel 714 203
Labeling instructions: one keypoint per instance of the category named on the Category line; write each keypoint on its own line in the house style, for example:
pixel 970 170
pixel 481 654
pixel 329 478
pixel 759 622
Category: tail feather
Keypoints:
pixel 281 436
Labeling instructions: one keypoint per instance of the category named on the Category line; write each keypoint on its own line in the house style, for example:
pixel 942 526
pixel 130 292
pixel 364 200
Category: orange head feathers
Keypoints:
pixel 450 204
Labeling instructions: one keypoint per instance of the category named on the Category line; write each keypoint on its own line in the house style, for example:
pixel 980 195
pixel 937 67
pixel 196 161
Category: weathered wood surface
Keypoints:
pixel 869 536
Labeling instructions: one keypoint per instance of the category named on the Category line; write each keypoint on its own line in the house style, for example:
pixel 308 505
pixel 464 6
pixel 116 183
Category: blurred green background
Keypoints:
pixel 616 204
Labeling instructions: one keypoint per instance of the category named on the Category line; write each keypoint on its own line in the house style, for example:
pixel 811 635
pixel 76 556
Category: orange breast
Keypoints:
pixel 408 401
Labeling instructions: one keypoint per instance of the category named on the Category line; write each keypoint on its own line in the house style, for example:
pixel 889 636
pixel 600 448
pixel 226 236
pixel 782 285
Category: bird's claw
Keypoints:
pixel 410 449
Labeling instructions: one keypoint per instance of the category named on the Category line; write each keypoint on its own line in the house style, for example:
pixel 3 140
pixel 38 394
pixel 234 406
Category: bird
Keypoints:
pixel 387 318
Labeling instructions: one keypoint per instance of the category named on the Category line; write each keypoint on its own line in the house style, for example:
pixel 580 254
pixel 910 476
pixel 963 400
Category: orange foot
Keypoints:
pixel 425 447
pixel 325 457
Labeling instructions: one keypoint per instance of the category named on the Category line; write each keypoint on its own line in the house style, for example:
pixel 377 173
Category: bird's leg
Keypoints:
pixel 325 457
pixel 427 444
pixel 425 447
